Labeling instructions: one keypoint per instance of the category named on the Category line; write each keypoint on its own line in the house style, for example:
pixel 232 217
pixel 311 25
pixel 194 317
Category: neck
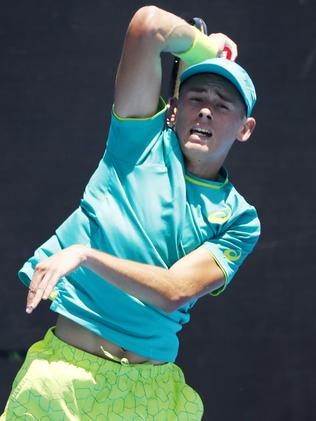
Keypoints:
pixel 201 170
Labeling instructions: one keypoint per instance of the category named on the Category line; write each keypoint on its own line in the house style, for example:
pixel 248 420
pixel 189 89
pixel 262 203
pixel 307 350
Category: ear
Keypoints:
pixel 172 111
pixel 246 129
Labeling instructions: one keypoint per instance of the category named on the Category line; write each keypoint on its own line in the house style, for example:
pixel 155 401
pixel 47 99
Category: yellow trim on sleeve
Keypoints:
pixel 218 291
pixel 161 109
pixel 209 185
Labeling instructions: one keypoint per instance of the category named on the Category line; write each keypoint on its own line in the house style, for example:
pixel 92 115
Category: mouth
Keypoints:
pixel 201 132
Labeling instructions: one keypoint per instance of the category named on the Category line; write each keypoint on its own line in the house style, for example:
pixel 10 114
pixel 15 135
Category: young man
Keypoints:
pixel 158 227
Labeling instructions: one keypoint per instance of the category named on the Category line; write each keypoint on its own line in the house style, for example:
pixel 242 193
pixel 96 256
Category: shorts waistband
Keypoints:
pixel 71 354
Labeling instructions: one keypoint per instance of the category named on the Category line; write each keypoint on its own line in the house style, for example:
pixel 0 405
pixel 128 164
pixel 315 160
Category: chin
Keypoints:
pixel 197 145
pixel 195 151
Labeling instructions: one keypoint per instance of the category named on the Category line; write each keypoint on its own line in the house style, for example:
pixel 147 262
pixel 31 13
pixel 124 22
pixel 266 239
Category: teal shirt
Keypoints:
pixel 141 204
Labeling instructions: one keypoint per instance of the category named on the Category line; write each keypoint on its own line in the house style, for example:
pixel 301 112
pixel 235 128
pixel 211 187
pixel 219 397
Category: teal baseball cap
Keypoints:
pixel 229 70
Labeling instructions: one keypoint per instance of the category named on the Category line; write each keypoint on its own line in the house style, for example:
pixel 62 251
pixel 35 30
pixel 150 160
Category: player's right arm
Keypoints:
pixel 138 81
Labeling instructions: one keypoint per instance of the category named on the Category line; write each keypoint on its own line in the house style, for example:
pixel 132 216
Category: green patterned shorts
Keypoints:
pixel 58 382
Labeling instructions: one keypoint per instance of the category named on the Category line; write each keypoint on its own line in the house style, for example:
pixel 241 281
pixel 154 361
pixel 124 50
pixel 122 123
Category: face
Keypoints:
pixel 210 116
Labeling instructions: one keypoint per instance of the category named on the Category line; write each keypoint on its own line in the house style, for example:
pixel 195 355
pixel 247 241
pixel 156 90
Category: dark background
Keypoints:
pixel 250 352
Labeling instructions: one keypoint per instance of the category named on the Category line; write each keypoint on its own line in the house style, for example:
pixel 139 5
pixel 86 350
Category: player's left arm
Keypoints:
pixel 192 276
pixel 189 278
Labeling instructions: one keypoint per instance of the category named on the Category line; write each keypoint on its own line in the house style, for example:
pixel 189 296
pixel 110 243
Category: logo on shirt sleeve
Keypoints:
pixel 232 255
pixel 219 217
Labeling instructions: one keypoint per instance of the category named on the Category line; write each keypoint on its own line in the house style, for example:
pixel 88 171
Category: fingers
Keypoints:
pixel 223 41
pixel 48 272
pixel 36 289
pixel 41 286
pixel 36 279
pixel 233 48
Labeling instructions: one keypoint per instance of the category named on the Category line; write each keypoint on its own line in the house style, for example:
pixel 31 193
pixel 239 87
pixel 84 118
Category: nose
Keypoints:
pixel 206 113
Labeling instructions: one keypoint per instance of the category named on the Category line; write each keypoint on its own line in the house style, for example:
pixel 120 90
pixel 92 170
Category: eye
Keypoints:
pixel 222 106
pixel 196 99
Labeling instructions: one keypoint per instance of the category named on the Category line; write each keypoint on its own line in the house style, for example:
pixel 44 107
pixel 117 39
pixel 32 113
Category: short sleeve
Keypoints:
pixel 132 139
pixel 234 244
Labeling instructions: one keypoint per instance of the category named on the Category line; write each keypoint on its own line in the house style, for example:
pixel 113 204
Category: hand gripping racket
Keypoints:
pixel 179 66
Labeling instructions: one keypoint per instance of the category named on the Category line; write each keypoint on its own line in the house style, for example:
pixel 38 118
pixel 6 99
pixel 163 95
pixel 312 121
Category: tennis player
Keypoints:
pixel 159 226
